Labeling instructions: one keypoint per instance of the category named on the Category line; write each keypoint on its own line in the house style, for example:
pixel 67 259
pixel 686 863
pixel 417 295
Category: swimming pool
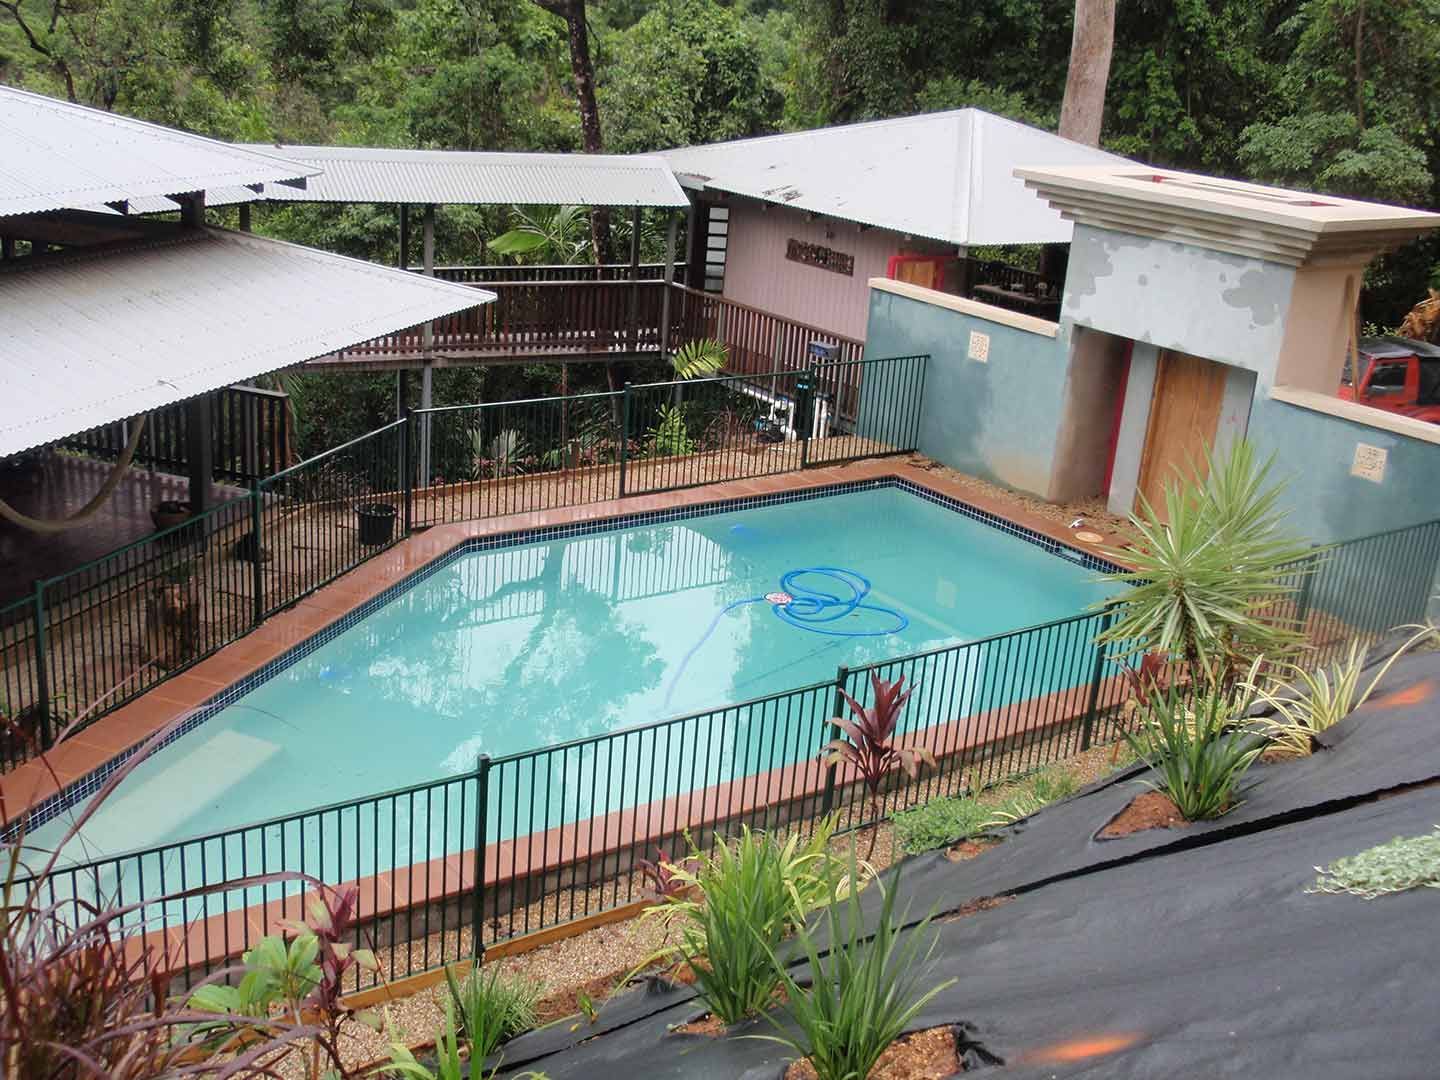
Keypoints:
pixel 538 643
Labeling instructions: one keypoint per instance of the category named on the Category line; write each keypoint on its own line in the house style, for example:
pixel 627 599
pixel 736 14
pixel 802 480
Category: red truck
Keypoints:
pixel 1398 375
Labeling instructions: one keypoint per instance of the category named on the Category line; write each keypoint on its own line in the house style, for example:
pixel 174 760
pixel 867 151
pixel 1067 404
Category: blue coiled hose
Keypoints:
pixel 804 605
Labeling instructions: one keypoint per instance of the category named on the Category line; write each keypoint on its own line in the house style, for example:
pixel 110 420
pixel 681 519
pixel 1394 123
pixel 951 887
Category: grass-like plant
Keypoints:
pixel 862 995
pixel 491 1008
pixel 948 820
pixel 737 903
pixel 1209 571
pixel 1397 866
pixel 1198 754
pixel 869 746
pixel 1312 701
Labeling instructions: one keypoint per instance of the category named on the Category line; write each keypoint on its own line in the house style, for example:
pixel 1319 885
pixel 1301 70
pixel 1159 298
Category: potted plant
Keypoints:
pixel 377 523
pixel 168 513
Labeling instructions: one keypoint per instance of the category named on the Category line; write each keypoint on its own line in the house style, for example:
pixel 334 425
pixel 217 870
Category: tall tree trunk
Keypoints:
pixel 1090 47
pixel 582 70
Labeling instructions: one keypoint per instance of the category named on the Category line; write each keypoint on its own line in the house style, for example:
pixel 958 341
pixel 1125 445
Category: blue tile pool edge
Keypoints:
pixel 79 790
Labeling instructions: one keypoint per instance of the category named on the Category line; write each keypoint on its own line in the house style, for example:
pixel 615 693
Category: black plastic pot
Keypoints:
pixel 377 523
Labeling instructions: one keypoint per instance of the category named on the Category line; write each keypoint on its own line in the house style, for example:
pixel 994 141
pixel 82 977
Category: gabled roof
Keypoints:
pixel 370 174
pixel 1276 224
pixel 946 176
pixel 92 338
pixel 59 155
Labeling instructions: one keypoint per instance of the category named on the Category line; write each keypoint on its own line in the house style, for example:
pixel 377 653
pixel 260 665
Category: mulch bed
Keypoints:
pixel 924 1055
pixel 970 907
pixel 968 849
pixel 1152 810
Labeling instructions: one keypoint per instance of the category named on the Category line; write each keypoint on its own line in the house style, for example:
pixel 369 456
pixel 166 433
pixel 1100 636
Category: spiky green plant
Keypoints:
pixel 699 358
pixel 863 994
pixel 491 1008
pixel 1198 753
pixel 739 896
pixel 1209 571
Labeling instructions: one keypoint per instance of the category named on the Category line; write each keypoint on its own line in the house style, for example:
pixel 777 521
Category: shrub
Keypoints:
pixel 945 821
pixel 491 1009
pixel 863 995
pixel 1403 863
pixel 1315 701
pixel 1199 756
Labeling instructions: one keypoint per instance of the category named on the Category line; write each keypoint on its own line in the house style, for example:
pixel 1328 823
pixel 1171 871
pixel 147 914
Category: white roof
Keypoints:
pixel 367 174
pixel 59 155
pixel 95 338
pixel 947 176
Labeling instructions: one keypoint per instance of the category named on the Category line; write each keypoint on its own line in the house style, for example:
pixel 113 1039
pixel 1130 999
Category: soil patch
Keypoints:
pixel 923 1055
pixel 1152 810
pixel 566 1002
pixel 968 849
pixel 970 907
pixel 709 1025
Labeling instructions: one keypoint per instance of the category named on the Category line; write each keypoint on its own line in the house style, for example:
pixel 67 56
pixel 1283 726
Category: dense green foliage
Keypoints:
pixel 1331 95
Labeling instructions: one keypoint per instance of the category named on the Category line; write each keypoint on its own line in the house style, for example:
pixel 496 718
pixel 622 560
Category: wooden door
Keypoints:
pixel 1184 415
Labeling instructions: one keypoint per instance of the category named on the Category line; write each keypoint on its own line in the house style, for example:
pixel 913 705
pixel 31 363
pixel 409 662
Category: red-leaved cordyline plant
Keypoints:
pixel 82 993
pixel 330 915
pixel 869 747
pixel 666 876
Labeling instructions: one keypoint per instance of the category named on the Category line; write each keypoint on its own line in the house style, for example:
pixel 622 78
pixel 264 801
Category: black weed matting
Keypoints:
pixel 1167 953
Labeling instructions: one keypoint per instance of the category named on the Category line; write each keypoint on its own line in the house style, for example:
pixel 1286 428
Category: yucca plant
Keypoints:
pixel 1198 754
pixel 1208 571
pixel 869 747
pixel 1312 701
pixel 863 994
pixel 491 1008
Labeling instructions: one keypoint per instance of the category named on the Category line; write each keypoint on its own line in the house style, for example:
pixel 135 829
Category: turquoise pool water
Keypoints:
pixel 520 647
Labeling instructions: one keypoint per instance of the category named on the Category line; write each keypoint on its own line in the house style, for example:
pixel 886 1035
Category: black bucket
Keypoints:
pixel 377 523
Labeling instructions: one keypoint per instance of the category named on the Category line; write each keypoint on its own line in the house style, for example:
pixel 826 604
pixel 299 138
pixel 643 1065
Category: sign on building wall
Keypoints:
pixel 837 262
pixel 1369 462
pixel 979 347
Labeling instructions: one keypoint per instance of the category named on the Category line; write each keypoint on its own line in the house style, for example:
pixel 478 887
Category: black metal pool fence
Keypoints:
pixel 95 637
pixel 554 834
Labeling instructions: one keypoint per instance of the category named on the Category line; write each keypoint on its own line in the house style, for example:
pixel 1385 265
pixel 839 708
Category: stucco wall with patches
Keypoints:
pixel 1175 296
pixel 996 419
pixel 1314 453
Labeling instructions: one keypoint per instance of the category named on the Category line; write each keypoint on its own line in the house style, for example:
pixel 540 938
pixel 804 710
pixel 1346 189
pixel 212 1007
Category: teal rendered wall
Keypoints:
pixel 997 420
pixel 1313 454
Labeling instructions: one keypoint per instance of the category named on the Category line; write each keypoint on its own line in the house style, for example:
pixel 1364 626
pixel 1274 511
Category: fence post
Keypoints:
pixel 407 474
pixel 42 674
pixel 482 805
pixel 624 435
pixel 1306 597
pixel 257 552
pixel 1097 673
pixel 827 800
pixel 804 409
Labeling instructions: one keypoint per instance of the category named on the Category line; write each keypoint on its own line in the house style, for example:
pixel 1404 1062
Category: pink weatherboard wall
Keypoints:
pixel 757 272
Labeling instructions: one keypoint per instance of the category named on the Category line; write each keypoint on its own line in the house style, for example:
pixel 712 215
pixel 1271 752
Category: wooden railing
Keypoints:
pixel 535 318
pixel 250 436
pixel 761 343
pixel 487 275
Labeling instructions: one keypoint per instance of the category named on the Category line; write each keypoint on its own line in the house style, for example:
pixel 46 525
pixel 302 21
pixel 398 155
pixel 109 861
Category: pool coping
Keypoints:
pixel 40 790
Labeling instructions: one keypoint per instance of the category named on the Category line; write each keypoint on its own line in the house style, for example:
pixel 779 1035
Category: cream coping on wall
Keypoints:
pixel 1014 319
pixel 1360 414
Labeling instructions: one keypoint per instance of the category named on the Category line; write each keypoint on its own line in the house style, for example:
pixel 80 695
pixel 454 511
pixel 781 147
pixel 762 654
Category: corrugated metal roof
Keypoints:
pixel 366 174
pixel 160 204
pixel 947 176
pixel 61 155
pixel 97 338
